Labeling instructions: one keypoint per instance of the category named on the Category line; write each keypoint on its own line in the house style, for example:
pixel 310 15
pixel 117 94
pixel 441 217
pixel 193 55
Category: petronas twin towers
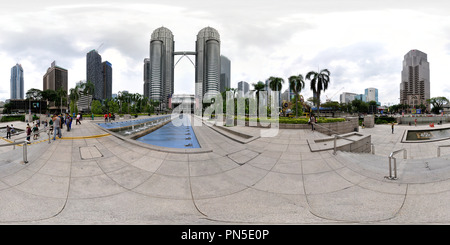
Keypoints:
pixel 159 67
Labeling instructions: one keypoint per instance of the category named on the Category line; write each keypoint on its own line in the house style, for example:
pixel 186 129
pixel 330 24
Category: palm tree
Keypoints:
pixel 319 83
pixel 61 93
pixel 260 86
pixel 275 83
pixel 296 84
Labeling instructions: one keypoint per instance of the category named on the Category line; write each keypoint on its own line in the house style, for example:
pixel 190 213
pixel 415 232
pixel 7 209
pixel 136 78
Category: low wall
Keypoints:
pixel 423 120
pixel 350 125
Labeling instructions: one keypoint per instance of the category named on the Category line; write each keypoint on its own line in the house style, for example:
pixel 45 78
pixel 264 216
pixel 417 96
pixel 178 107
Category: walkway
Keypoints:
pixel 276 180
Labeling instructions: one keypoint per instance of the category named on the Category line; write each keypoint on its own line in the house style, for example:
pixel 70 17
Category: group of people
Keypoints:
pixel 108 117
pixel 57 123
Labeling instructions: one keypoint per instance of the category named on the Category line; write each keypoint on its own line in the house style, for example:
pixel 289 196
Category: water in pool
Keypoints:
pixel 176 134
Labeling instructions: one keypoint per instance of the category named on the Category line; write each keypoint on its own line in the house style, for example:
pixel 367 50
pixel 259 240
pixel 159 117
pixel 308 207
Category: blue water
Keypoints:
pixel 173 136
pixel 110 125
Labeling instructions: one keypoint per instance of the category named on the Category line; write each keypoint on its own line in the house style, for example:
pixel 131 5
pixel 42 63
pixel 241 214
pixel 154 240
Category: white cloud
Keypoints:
pixel 362 43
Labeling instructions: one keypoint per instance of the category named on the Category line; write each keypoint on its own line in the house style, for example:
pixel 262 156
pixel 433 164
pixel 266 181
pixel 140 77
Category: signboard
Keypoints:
pixel 418 111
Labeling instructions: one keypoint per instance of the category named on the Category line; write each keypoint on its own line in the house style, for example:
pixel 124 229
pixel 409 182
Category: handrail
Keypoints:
pixel 25 160
pixel 391 156
pixel 34 133
pixel 372 148
pixel 335 138
pixel 439 149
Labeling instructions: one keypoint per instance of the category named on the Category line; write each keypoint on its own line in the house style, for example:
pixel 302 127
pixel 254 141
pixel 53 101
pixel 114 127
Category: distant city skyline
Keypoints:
pixel 261 38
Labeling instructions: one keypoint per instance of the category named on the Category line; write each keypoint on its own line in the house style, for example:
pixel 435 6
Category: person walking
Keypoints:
pixel 78 119
pixel 415 122
pixel 392 127
pixel 57 127
pixel 28 129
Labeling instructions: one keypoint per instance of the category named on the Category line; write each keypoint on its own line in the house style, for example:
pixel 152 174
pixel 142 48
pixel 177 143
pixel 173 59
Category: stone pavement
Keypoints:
pixel 269 180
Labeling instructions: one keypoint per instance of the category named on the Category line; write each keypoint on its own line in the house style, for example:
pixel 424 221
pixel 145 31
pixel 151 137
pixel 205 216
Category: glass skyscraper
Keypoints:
pixel 16 82
pixel 100 74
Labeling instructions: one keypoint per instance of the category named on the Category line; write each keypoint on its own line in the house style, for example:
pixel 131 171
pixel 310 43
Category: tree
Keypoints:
pixel 296 84
pixel 276 83
pixel 319 83
pixel 96 107
pixel 259 86
pixel 437 103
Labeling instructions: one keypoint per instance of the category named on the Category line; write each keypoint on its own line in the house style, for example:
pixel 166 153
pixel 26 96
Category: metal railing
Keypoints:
pixel 25 160
pixel 391 156
pixel 32 134
pixel 439 149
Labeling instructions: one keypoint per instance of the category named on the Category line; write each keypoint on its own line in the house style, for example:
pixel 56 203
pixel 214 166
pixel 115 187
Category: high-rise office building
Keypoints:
pixel 100 74
pixel 371 94
pixel 147 79
pixel 415 84
pixel 225 72
pixel 243 89
pixel 158 69
pixel 207 75
pixel 107 80
pixel 94 73
pixel 55 78
pixel 17 82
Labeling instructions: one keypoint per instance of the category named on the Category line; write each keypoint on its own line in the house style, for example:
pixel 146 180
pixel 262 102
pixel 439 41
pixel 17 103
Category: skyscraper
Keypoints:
pixel 158 69
pixel 225 72
pixel 100 74
pixel 55 78
pixel 243 89
pixel 147 78
pixel 207 75
pixel 17 82
pixel 415 84
pixel 107 80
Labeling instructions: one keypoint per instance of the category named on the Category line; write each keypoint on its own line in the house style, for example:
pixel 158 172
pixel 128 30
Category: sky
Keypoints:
pixel 362 43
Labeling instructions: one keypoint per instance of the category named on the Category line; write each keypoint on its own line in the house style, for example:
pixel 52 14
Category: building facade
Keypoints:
pixel 243 89
pixel 55 78
pixel 347 97
pixel 225 73
pixel 415 84
pixel 107 80
pixel 100 74
pixel 371 94
pixel 207 74
pixel 160 67
pixel 17 82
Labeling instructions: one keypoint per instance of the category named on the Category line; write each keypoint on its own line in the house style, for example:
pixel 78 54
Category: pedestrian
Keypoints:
pixel 363 125
pixel 50 123
pixel 57 127
pixel 312 120
pixel 35 131
pixel 392 127
pixel 78 119
pixel 109 116
pixel 106 117
pixel 28 129
pixel 415 122
pixel 8 132
pixel 12 129
pixel 92 116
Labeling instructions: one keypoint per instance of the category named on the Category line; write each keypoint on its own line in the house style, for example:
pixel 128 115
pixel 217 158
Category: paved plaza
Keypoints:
pixel 92 177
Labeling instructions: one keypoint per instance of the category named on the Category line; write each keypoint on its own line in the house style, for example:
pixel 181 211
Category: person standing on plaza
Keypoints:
pixel 415 122
pixel 78 119
pixel 312 121
pixel 392 127
pixel 57 127
pixel 35 131
pixel 8 132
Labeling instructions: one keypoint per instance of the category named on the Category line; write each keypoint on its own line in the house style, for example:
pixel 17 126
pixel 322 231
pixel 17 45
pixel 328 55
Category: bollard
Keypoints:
pixel 25 160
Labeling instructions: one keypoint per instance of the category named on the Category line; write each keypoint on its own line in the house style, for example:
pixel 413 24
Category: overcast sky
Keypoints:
pixel 362 43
